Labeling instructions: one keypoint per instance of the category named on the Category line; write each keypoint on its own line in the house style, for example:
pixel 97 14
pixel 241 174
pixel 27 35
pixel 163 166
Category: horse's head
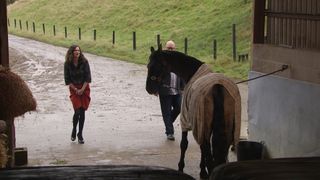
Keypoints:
pixel 157 68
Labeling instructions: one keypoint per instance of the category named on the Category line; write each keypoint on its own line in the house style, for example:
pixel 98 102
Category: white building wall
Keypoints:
pixel 285 115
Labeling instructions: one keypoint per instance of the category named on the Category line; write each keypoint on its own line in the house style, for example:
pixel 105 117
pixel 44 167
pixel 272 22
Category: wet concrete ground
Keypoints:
pixel 123 124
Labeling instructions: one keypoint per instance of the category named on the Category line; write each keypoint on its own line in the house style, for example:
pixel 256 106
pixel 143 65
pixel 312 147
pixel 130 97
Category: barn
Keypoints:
pixel 283 108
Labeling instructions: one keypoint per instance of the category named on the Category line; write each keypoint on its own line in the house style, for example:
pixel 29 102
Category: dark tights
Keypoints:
pixel 79 116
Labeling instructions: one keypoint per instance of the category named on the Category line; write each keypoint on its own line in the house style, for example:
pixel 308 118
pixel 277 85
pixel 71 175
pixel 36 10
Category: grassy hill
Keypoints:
pixel 199 21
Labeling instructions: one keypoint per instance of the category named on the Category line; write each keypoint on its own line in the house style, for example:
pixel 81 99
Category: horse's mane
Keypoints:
pixel 181 64
pixel 187 65
pixel 181 56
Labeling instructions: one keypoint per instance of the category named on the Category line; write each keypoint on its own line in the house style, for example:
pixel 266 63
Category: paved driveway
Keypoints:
pixel 123 124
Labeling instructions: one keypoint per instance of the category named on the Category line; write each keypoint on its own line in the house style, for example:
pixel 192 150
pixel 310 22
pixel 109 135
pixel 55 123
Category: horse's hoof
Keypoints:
pixel 180 166
pixel 204 175
pixel 180 169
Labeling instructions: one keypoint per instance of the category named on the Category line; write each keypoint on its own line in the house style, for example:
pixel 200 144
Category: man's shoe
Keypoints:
pixel 170 137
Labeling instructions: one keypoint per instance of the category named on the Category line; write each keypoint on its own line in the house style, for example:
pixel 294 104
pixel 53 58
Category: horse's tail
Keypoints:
pixel 219 138
pixel 218 103
pixel 224 119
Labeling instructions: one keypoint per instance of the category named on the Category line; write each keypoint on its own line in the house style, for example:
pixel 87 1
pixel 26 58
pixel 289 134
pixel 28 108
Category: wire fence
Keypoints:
pixel 46 29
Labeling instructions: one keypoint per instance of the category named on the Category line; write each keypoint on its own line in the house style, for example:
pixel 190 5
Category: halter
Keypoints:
pixel 158 79
pixel 155 78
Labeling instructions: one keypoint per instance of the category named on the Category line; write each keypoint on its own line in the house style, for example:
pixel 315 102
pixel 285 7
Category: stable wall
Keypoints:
pixel 284 109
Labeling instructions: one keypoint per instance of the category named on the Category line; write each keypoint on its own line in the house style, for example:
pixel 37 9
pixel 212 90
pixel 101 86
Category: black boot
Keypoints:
pixel 81 123
pixel 80 139
pixel 73 134
pixel 75 119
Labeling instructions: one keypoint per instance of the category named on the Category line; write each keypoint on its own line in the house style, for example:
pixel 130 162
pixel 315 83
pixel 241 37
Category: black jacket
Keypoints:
pixel 77 74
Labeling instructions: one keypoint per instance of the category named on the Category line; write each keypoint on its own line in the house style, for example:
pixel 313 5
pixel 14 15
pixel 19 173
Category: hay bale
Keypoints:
pixel 3 151
pixel 15 96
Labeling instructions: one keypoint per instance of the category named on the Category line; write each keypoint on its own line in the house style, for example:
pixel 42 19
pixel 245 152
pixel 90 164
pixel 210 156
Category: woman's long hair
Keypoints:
pixel 69 55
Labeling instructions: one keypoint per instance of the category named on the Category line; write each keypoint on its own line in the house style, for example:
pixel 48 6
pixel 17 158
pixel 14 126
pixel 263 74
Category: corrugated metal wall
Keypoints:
pixel 293 23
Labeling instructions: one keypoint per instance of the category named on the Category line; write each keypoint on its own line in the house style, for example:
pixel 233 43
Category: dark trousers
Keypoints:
pixel 79 116
pixel 170 109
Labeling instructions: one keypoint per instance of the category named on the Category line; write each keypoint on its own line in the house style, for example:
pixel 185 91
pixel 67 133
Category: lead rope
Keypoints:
pixel 284 67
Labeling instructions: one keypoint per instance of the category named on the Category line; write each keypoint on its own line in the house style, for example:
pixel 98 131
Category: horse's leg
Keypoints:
pixel 206 164
pixel 183 149
pixel 203 172
pixel 210 164
pixel 233 145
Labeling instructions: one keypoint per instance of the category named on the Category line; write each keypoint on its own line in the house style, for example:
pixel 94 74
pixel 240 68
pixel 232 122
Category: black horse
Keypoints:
pixel 219 124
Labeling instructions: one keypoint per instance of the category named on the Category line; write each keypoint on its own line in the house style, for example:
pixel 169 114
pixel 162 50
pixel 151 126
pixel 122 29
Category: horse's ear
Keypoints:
pixel 152 49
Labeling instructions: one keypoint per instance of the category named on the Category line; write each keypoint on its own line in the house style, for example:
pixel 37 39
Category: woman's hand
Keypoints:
pixel 79 91
pixel 71 86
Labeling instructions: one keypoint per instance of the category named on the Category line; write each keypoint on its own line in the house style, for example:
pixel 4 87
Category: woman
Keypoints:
pixel 78 76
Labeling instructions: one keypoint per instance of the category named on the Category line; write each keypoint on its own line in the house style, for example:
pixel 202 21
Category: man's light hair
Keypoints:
pixel 170 45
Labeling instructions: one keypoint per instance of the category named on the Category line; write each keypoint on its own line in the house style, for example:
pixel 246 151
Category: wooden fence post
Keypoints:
pixel 27 25
pixel 214 49
pixel 134 40
pixel 158 40
pixel 34 27
pixel 79 33
pixel 65 32
pixel 186 45
pixel 94 34
pixel 113 37
pixel 15 23
pixel 234 43
pixel 44 28
pixel 20 24
pixel 54 30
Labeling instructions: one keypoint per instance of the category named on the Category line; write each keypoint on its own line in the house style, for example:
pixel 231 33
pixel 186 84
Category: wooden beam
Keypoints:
pixel 258 21
pixel 4 50
pixel 4 61
pixel 288 15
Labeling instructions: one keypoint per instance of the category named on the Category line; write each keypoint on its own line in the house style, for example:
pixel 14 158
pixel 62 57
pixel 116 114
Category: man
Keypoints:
pixel 170 97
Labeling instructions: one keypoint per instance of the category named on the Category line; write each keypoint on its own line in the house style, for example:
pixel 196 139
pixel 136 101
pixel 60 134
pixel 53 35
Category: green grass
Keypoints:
pixel 199 21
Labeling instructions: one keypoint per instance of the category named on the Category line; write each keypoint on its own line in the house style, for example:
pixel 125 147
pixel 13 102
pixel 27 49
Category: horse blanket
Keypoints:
pixel 198 104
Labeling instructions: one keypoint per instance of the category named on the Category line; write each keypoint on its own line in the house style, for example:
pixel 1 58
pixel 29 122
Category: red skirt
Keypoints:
pixel 79 101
